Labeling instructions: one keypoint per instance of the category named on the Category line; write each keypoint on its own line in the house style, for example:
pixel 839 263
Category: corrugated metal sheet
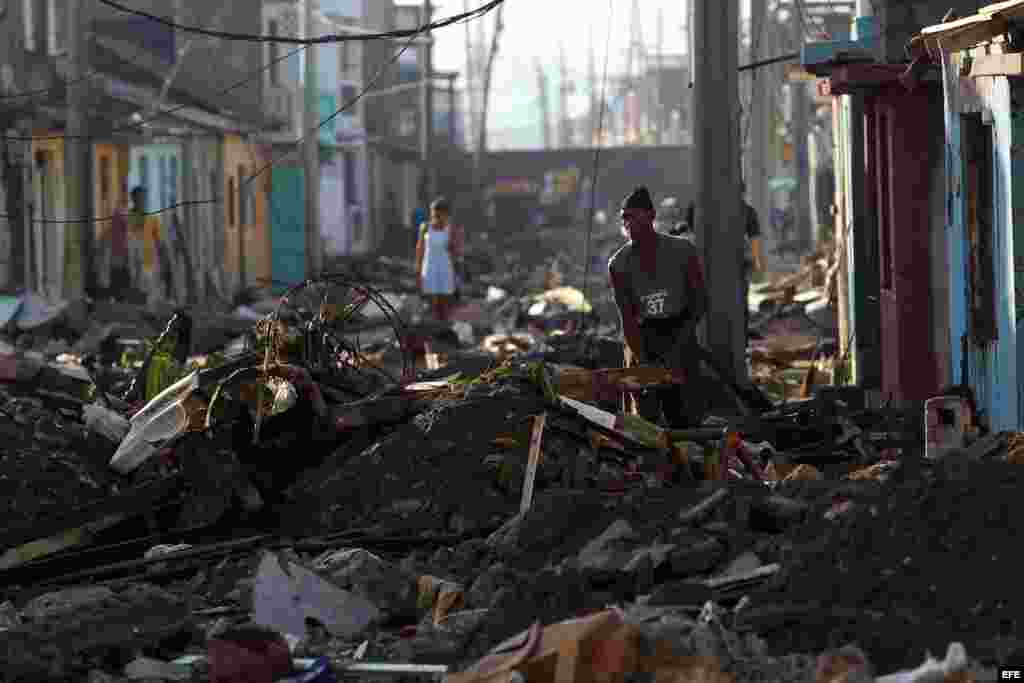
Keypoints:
pixel 993 368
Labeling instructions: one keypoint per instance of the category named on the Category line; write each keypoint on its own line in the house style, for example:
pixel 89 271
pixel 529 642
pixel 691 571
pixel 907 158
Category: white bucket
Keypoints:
pixel 946 421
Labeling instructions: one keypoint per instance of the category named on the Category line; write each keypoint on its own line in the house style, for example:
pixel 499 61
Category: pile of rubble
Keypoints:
pixel 795 328
pixel 329 482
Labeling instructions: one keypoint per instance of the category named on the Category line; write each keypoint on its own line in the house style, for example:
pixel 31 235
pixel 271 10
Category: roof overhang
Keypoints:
pixel 848 79
pixel 989 24
pixel 145 97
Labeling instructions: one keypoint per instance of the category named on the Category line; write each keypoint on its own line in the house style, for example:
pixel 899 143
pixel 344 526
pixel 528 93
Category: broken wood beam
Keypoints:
pixel 703 509
pixel 531 464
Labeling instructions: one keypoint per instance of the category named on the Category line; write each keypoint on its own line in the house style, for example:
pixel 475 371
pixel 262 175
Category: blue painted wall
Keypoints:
pixel 287 236
pixel 158 168
pixel 993 368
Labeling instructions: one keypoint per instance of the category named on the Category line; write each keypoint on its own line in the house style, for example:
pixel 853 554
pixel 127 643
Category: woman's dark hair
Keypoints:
pixel 441 204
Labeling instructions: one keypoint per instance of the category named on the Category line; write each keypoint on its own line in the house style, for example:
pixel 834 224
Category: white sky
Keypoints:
pixel 535 28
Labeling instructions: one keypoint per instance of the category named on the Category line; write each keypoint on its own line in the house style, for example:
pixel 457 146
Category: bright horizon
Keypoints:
pixel 534 29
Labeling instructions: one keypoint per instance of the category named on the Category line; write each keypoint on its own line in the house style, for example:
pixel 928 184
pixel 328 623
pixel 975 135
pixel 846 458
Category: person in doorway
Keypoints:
pixel 658 282
pixel 120 271
pixel 419 217
pixel 438 250
pixel 136 235
pixel 167 266
pixel 753 258
pixel 144 245
pixel 101 253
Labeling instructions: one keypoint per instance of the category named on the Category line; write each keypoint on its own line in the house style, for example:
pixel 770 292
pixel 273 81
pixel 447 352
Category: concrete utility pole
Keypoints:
pixel 658 109
pixel 717 176
pixel 565 88
pixel 79 260
pixel 542 102
pixel 427 109
pixel 592 88
pixel 760 117
pixel 311 150
pixel 801 156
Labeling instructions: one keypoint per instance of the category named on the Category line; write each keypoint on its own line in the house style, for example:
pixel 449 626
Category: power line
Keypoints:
pixel 64 83
pixel 144 121
pixel 330 38
pixel 217 200
pixel 792 56
pixel 464 17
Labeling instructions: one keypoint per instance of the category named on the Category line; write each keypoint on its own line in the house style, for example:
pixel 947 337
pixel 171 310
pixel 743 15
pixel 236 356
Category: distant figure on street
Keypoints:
pixel 753 258
pixel 658 281
pixel 419 217
pixel 120 272
pixel 136 235
pixel 438 252
pixel 144 246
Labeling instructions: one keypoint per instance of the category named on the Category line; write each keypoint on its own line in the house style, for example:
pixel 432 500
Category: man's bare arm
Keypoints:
pixel 627 315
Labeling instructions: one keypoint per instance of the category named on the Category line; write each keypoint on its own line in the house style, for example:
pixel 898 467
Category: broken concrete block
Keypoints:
pixel 698 558
pixel 611 551
pixel 745 563
pixel 680 593
pixel 286 594
pixel 382 583
pixel 776 513
pixel 482 591
pixel 61 625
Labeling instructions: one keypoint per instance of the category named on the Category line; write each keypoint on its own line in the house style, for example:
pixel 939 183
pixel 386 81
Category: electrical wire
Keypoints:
pixel 217 200
pixel 64 84
pixel 249 77
pixel 757 34
pixel 597 166
pixel 331 38
pixel 338 112
pixel 463 18
pixel 792 56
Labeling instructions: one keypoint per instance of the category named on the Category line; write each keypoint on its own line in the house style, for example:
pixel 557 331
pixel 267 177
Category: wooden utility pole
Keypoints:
pixel 311 151
pixel 545 107
pixel 427 110
pixel 717 176
pixel 79 259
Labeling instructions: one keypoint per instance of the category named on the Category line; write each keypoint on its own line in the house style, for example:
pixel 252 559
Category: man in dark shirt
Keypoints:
pixel 658 281
pixel 753 259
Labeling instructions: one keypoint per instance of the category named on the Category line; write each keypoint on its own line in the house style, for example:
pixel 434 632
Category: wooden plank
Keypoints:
pixel 590 386
pixel 1009 9
pixel 531 464
pixel 998 65
pixel 965 33
pixel 951 27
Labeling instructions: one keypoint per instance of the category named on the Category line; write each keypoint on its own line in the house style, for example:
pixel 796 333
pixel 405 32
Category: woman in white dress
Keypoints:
pixel 438 249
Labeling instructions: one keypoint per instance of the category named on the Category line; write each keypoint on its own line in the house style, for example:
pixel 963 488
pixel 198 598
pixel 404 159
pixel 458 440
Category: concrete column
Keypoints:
pixel 717 176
